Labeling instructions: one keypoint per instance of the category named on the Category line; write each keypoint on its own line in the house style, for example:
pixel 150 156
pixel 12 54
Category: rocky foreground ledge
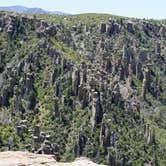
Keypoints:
pixel 10 158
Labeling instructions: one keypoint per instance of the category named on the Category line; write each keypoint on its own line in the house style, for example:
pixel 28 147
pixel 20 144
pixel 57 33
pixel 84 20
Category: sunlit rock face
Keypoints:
pixel 30 159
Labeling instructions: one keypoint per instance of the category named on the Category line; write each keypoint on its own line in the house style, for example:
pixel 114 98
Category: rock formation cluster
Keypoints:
pixel 83 88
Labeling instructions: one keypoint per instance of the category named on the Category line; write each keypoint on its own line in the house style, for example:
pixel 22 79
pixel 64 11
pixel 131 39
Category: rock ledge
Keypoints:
pixel 11 158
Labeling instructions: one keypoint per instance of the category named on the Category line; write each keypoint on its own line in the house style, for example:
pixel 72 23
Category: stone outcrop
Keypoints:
pixel 162 32
pixel 103 28
pixel 111 158
pixel 80 87
pixel 48 148
pixel 145 83
pixel 130 27
pixel 30 159
pixel 12 25
pixel 105 134
pixel 79 147
pixel 46 29
pixel 149 134
pixel 96 112
pixel 75 80
pixel 112 27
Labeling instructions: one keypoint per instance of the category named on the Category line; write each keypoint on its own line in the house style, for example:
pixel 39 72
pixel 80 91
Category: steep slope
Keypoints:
pixel 85 85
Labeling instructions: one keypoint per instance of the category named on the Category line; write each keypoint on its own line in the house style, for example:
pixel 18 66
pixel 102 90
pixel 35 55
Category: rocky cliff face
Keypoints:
pixel 91 85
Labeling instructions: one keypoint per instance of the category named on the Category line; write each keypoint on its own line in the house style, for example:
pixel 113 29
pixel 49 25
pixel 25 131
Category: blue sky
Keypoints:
pixel 155 9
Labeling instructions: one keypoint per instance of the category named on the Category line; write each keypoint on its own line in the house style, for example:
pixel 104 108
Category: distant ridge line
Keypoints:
pixel 27 10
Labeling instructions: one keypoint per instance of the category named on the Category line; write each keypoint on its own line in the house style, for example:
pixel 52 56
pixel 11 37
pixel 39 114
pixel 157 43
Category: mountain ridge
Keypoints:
pixel 27 10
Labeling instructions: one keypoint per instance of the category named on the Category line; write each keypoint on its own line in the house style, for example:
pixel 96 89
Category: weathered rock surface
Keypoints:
pixel 29 159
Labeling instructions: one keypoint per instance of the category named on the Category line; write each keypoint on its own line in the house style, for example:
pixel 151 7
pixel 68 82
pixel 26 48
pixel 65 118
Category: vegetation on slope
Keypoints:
pixel 84 85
